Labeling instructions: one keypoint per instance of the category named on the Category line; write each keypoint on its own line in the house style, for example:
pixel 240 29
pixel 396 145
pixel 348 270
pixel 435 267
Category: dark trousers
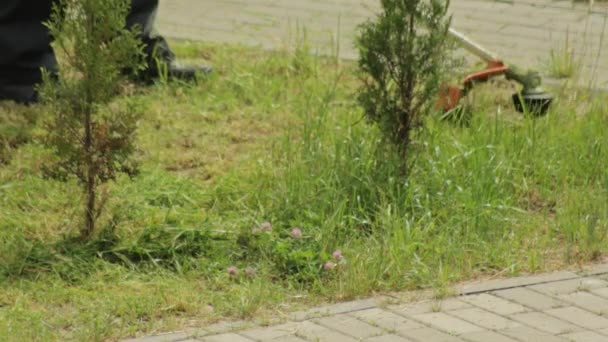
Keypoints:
pixel 25 44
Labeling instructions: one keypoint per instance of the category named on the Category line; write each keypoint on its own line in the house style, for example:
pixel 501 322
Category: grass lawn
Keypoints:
pixel 277 139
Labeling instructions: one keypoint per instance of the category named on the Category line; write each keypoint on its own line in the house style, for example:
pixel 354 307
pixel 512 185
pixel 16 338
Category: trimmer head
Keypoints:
pixel 536 104
pixel 532 98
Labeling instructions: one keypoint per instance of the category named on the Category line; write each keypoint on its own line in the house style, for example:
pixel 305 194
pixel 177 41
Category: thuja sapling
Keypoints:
pixel 92 140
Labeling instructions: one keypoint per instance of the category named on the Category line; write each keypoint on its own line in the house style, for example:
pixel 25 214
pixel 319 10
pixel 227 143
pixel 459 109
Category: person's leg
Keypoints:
pixel 25 47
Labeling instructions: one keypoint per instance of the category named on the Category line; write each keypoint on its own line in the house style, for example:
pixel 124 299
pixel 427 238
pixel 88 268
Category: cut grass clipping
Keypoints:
pixel 275 141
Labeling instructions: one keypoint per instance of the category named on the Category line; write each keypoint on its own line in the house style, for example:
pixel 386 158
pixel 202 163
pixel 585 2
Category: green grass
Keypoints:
pixel 278 137
pixel 563 62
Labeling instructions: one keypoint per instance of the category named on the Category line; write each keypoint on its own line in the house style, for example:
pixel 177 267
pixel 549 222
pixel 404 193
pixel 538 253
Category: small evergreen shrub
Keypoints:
pixel 402 53
pixel 92 139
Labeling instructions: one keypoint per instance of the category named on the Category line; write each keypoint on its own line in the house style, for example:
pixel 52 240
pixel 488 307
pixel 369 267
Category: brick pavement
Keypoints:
pixel 560 307
pixel 522 32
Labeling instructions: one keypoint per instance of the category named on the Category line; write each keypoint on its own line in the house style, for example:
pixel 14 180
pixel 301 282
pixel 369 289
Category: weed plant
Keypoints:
pixel 562 61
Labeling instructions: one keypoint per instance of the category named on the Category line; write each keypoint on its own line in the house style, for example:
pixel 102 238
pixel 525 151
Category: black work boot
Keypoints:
pixel 160 62
pixel 159 58
pixel 187 72
pixel 172 70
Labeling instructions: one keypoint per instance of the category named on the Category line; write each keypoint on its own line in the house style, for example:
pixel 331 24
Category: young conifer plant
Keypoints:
pixel 402 53
pixel 92 139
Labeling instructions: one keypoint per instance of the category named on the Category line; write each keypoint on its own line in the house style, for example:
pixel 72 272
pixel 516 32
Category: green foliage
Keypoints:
pixel 16 124
pixel 401 56
pixel 299 259
pixel 92 139
pixel 563 62
pixel 169 247
pixel 175 249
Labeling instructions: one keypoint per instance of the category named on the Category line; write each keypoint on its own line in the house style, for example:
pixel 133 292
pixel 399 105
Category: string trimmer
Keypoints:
pixel 532 97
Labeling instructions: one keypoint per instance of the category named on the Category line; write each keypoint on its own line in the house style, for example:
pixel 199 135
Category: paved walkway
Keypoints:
pixel 521 31
pixel 554 307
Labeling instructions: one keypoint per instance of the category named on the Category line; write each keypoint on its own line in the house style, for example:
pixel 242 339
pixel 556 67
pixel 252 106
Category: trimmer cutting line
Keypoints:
pixel 532 98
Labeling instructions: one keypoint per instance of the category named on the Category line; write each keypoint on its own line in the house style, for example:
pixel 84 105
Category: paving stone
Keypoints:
pixel 349 325
pixel 530 298
pixel 579 317
pixel 144 339
pixel 570 286
pixel 227 326
pixel 447 323
pixel 429 335
pixel 336 309
pixel 168 337
pixel 387 338
pixel 595 269
pixel 195 332
pixel 272 332
pixel 588 301
pixel 311 331
pixel 149 339
pixel 228 337
pixel 428 306
pixel 486 336
pixel 498 284
pixel 285 339
pixel 602 292
pixel 494 304
pixel 546 323
pixel 527 334
pixel 386 320
pixel 586 336
pixel 485 319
